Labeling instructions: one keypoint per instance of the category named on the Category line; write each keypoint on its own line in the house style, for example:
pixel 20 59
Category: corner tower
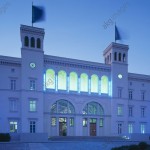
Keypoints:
pixel 32 78
pixel 116 55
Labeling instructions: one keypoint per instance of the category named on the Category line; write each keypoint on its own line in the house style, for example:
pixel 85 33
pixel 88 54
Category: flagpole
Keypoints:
pixel 32 13
pixel 115 32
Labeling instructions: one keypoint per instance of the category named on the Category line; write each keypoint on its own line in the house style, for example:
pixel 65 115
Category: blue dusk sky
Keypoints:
pixel 81 29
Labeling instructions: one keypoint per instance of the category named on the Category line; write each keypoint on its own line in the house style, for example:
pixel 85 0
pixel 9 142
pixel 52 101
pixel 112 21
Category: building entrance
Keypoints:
pixel 92 127
pixel 62 126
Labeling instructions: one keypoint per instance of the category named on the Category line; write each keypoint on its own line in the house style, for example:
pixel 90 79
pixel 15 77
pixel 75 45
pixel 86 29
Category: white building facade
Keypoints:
pixel 68 97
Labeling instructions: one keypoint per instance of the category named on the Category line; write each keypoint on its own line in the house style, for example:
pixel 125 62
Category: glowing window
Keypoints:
pixel 104 84
pixel 62 107
pixel 38 43
pixel 13 126
pixel 73 81
pixel 50 79
pixel 143 128
pixel 93 108
pixel 84 82
pixel 94 84
pixel 130 128
pixel 32 105
pixel 32 42
pixel 62 80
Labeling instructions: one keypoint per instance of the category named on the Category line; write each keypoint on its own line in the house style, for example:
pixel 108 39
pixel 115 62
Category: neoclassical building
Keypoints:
pixel 67 97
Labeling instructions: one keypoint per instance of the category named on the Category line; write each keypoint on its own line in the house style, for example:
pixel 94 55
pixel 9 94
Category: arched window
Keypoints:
pixel 93 108
pixel 115 56
pixel 26 41
pixel 110 57
pixel 94 84
pixel 84 82
pixel 38 44
pixel 104 84
pixel 73 81
pixel 119 55
pixel 50 79
pixel 62 107
pixel 32 42
pixel 62 80
pixel 124 57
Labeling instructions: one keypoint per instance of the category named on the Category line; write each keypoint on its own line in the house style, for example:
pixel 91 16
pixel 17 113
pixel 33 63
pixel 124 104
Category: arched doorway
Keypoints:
pixel 92 119
pixel 62 118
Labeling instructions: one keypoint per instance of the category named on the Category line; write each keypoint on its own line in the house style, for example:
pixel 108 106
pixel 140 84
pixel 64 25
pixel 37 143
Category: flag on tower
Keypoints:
pixel 117 34
pixel 38 14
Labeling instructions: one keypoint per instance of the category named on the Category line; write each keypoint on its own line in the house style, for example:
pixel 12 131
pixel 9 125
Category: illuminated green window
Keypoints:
pixel 94 84
pixel 104 84
pixel 62 80
pixel 84 82
pixel 93 108
pixel 50 79
pixel 62 107
pixel 73 81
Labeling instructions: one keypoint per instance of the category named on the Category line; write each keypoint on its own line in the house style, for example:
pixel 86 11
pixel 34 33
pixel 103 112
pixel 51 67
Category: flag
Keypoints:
pixel 38 14
pixel 117 34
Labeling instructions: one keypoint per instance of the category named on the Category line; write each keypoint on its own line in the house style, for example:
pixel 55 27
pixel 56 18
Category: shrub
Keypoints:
pixel 143 145
pixel 134 147
pixel 4 137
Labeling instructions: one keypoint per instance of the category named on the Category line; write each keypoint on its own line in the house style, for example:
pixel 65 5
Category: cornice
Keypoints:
pixel 67 62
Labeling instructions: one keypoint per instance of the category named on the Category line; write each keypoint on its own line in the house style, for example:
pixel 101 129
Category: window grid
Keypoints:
pixel 143 128
pixel 13 105
pixel 130 128
pixel 32 126
pixel 130 111
pixel 84 122
pixel 13 126
pixel 13 84
pixel 53 121
pixel 142 95
pixel 142 111
pixel 119 92
pixel 32 84
pixel 101 122
pixel 130 94
pixel 120 111
pixel 32 105
pixel 71 122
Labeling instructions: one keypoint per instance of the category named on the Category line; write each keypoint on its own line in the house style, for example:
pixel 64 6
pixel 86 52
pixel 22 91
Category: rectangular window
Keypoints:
pixel 53 121
pixel 142 111
pixel 130 111
pixel 130 94
pixel 32 84
pixel 92 120
pixel 101 122
pixel 13 126
pixel 32 105
pixel 71 122
pixel 120 110
pixel 142 95
pixel 143 128
pixel 130 128
pixel 119 92
pixel 13 105
pixel 13 84
pixel 32 126
pixel 84 122
pixel 119 128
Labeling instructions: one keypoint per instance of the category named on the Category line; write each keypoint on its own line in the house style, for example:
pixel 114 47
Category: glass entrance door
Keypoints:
pixel 92 127
pixel 62 126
